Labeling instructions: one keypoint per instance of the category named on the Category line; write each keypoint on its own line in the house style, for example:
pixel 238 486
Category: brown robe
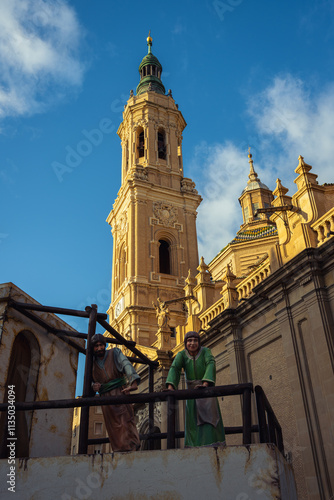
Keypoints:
pixel 119 419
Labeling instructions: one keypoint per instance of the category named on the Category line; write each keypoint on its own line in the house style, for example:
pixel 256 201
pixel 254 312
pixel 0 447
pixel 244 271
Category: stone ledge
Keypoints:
pixel 235 473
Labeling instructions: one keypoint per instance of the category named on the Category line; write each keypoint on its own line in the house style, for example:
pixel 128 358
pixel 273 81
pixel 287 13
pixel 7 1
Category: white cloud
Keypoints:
pixel 291 120
pixel 39 54
pixel 219 213
pixel 288 119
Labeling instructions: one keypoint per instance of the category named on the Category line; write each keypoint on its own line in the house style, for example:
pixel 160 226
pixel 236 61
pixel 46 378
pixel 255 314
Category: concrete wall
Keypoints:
pixel 234 473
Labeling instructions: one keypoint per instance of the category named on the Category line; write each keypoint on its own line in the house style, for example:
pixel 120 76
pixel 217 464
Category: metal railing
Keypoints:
pixel 268 427
pixel 270 430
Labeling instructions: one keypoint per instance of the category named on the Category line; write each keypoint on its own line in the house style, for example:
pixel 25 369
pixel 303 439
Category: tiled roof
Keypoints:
pixel 251 234
pixel 254 234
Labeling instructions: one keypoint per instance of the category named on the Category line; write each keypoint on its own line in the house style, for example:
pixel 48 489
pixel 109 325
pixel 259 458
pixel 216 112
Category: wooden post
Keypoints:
pixel 87 389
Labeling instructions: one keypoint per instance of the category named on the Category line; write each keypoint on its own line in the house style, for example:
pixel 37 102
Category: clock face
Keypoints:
pixel 119 307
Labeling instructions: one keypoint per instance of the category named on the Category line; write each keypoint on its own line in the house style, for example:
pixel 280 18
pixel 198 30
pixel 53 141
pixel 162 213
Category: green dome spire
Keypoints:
pixel 150 71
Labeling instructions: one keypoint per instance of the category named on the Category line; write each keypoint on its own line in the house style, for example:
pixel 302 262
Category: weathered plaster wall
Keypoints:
pixel 55 373
pixel 234 473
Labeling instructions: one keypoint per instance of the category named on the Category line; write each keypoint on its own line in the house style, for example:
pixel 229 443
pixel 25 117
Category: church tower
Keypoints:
pixel 255 195
pixel 153 219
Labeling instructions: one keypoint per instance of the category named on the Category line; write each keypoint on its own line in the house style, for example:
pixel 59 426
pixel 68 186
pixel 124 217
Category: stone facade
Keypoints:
pixel 264 304
pixel 96 430
pixel 272 325
pixel 41 367
pixel 154 214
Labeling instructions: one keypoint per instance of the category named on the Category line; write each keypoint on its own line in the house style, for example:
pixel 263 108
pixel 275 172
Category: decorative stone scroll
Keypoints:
pixel 140 173
pixel 188 186
pixel 140 123
pixel 165 213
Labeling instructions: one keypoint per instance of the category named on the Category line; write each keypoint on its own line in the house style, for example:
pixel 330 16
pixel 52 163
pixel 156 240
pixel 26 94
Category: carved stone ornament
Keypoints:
pixel 165 213
pixel 119 307
pixel 140 173
pixel 122 225
pixel 142 415
pixel 140 123
pixel 162 313
pixel 188 186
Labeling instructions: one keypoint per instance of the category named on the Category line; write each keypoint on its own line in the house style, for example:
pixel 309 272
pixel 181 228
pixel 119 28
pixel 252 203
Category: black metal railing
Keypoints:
pixel 270 430
pixel 267 424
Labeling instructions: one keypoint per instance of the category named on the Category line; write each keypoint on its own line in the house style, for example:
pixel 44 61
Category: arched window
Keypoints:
pixel 144 430
pixel 255 207
pixel 122 263
pixel 127 156
pixel 246 214
pixel 164 257
pixel 141 143
pixel 22 373
pixel 179 154
pixel 161 144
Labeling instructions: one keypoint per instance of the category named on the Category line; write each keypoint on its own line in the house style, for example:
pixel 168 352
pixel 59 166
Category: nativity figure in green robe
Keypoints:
pixel 203 421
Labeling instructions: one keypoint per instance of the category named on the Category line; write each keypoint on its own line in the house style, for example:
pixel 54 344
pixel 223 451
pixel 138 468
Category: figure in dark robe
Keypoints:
pixel 114 375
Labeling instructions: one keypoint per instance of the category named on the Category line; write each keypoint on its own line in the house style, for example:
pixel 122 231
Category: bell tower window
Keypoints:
pixel 121 266
pixel 246 214
pixel 255 207
pixel 161 144
pixel 164 257
pixel 126 154
pixel 141 143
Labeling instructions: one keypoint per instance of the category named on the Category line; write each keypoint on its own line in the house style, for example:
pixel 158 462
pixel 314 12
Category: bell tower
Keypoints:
pixel 255 195
pixel 153 219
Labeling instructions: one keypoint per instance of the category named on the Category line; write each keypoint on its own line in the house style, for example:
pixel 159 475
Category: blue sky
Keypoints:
pixel 244 72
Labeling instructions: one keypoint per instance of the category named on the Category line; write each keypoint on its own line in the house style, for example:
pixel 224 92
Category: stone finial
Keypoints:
pixel 280 189
pixel 252 174
pixel 305 176
pixel 203 275
pixel 303 167
pixel 202 268
pixel 281 197
pixel 229 289
pixel 229 276
pixel 190 284
pixel 190 280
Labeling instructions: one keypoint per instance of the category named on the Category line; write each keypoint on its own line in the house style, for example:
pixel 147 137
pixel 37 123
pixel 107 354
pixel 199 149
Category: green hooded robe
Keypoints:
pixel 200 368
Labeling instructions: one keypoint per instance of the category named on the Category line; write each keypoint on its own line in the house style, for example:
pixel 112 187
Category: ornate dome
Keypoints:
pixel 251 185
pixel 254 182
pixel 150 71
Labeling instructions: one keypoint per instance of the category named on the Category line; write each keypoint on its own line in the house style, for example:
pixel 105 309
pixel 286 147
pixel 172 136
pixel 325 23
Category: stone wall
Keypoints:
pixel 234 473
